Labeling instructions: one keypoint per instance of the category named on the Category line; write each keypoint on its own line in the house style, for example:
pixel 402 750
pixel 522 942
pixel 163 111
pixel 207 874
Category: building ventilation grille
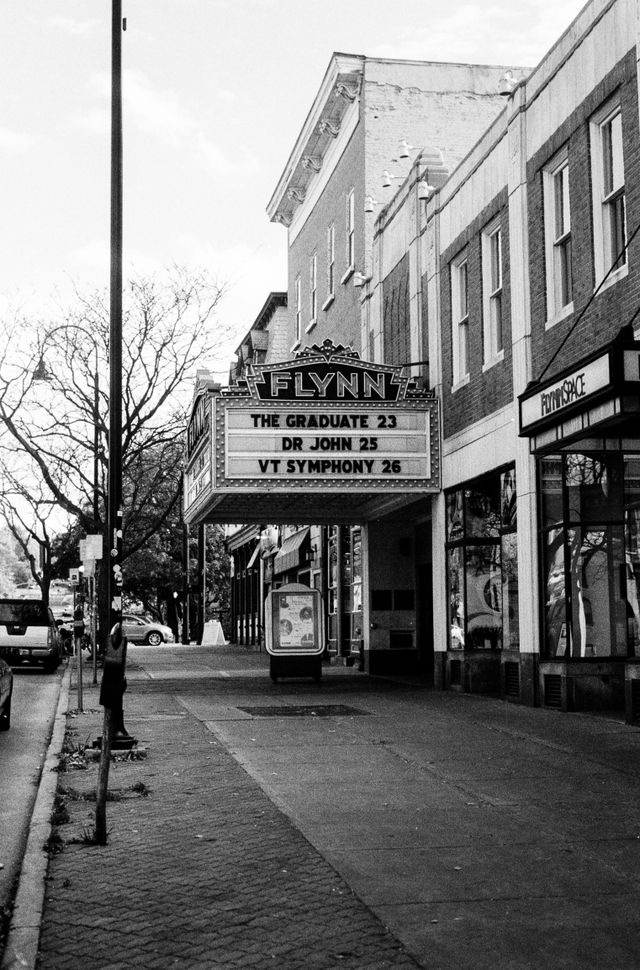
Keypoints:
pixel 455 672
pixel 553 690
pixel 512 679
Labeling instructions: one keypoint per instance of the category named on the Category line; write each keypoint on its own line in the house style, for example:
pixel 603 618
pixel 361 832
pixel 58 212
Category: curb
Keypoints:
pixel 21 949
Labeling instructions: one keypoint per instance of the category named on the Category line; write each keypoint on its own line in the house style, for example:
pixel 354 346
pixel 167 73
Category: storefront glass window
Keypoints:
pixel 632 579
pixel 456 598
pixel 484 597
pixel 551 491
pixel 332 584
pixel 482 508
pixel 594 487
pixel 354 590
pixel 483 564
pixel 591 556
pixel 510 621
pixel 508 499
pixel 455 520
pixel 556 632
pixel 598 617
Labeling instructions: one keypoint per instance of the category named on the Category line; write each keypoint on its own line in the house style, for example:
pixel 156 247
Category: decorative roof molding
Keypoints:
pixel 296 194
pixel 336 97
pixel 347 91
pixel 312 162
pixel 329 127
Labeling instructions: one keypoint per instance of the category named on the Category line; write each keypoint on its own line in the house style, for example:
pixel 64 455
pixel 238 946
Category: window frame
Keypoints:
pixel 558 242
pixel 313 291
pixel 331 265
pixel 609 202
pixel 492 295
pixel 350 231
pixel 297 290
pixel 459 320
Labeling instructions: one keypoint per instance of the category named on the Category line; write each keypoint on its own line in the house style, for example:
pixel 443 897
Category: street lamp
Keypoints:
pixel 113 675
pixel 113 679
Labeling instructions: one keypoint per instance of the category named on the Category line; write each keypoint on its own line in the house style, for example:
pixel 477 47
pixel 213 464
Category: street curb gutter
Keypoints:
pixel 21 950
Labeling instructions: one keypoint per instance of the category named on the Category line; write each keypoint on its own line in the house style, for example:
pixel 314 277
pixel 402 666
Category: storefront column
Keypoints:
pixel 430 264
pixel 440 604
pixel 529 623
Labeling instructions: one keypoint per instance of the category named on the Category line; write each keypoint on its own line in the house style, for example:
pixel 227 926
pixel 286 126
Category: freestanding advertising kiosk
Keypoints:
pixel 294 632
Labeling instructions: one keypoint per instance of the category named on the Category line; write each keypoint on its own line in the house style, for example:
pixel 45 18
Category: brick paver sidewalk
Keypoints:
pixel 201 869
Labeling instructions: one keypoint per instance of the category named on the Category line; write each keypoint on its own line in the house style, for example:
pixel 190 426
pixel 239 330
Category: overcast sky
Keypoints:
pixel 215 92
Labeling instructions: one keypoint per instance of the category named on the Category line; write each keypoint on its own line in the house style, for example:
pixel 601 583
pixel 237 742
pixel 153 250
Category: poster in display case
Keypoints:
pixel 294 621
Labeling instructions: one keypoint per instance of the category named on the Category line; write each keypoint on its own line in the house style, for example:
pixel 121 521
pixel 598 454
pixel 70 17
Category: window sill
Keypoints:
pixel 349 273
pixel 310 325
pixel 327 303
pixel 614 278
pixel 294 346
pixel 492 363
pixel 558 317
pixel 461 383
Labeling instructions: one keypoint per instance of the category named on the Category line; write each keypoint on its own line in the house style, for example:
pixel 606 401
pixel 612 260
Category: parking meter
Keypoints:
pixel 114 684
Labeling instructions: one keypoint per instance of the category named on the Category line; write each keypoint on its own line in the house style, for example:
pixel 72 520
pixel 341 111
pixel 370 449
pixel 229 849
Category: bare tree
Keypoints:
pixel 54 404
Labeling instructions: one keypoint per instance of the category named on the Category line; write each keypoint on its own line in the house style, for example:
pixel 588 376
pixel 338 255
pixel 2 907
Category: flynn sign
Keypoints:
pixel 324 422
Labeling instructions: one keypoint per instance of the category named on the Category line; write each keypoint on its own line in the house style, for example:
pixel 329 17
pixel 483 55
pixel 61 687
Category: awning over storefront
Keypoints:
pixel 291 552
pixel 254 556
pixel 598 395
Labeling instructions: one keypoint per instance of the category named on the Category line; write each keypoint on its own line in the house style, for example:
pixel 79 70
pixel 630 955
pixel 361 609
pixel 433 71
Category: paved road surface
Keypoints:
pixel 22 751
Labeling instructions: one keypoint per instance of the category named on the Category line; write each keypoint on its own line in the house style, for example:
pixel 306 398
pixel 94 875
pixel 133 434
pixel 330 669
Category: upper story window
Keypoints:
pixel 331 259
pixel 313 288
pixel 557 231
pixel 492 293
pixel 298 308
pixel 351 229
pixel 609 207
pixel 460 319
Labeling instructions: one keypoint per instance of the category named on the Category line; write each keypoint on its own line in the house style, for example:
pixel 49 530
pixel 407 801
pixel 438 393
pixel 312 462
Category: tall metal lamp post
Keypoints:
pixel 113 677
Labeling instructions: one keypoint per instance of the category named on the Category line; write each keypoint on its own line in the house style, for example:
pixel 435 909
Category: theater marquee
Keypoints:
pixel 324 424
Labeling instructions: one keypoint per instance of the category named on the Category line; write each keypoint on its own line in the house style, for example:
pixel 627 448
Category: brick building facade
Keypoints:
pixel 478 226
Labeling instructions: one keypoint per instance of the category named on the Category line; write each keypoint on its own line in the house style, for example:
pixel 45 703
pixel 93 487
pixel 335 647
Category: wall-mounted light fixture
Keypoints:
pixel 369 203
pixel 359 279
pixel 425 191
pixel 507 84
pixel 404 149
pixel 387 179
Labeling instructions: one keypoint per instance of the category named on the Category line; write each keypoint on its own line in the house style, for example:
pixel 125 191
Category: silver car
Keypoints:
pixel 140 629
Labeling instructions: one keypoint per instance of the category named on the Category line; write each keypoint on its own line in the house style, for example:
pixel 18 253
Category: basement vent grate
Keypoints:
pixel 553 690
pixel 512 679
pixel 291 710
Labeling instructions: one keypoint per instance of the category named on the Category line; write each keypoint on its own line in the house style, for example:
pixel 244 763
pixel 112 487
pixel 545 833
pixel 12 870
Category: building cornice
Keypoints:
pixel 338 91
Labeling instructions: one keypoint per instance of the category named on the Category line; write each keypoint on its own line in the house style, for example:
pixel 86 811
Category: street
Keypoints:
pixel 22 751
pixel 360 820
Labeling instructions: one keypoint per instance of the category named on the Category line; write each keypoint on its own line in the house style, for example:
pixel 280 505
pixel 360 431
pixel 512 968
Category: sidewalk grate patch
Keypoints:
pixel 292 710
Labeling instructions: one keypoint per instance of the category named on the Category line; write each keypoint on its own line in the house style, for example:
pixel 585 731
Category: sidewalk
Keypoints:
pixel 201 869
pixel 360 823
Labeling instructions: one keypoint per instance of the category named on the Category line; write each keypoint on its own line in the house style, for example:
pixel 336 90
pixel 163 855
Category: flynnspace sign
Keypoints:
pixel 326 422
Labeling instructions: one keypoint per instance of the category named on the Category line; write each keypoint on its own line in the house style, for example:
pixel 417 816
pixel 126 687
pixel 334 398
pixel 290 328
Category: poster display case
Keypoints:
pixel 294 631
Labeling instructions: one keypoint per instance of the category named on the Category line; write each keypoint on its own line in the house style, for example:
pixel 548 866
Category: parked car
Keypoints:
pixel 6 690
pixel 29 634
pixel 140 629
